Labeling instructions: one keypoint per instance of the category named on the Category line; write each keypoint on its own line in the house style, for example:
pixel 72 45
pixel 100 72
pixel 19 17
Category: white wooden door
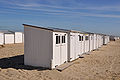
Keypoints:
pixel 86 43
pixel 63 48
pixel 95 40
pixel 91 42
pixel 72 47
pixel 77 45
pixel 60 49
pixel 56 54
pixel 80 44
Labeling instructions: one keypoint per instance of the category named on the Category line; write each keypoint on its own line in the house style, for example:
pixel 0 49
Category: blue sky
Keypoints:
pixel 101 16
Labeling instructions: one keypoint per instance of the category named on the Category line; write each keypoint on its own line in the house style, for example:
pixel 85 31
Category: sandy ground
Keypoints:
pixel 103 64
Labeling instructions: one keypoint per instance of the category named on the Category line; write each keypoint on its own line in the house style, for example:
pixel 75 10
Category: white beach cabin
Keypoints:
pixel 1 38
pixel 9 37
pixel 18 37
pixel 75 45
pixel 44 47
pixel 105 39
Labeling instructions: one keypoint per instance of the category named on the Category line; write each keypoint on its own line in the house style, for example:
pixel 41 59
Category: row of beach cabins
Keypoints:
pixel 11 37
pixel 51 47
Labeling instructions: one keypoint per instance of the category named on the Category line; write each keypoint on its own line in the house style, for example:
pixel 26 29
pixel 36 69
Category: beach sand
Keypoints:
pixel 102 64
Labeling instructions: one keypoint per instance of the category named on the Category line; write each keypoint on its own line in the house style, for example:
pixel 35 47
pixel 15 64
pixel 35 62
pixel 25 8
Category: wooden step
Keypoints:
pixel 63 66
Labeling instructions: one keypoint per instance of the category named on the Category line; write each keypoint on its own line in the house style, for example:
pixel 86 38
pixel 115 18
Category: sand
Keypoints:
pixel 103 64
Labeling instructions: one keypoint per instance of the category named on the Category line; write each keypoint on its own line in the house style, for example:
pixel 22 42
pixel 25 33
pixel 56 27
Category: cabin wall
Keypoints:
pixel 1 38
pixel 38 47
pixel 91 42
pixel 9 38
pixel 18 37
pixel 86 44
pixel 95 41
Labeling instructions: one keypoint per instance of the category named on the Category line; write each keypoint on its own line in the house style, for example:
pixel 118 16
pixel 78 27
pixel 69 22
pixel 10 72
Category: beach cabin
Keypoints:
pixel 105 39
pixel 1 38
pixel 9 37
pixel 18 37
pixel 90 41
pixel 75 45
pixel 45 47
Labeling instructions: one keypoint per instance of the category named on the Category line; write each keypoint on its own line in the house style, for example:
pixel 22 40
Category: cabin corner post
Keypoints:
pixel 68 53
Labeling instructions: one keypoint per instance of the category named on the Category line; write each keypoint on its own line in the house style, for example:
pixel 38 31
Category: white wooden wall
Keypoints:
pixel 91 42
pixel 1 38
pixel 9 38
pixel 87 44
pixel 38 47
pixel 95 41
pixel 18 37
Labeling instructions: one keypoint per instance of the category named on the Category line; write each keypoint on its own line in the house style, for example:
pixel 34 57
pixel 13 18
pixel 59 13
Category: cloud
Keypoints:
pixel 97 8
pixel 34 4
pixel 62 10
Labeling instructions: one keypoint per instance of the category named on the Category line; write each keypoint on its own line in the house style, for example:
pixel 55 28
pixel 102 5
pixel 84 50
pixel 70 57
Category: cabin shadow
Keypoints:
pixel 17 62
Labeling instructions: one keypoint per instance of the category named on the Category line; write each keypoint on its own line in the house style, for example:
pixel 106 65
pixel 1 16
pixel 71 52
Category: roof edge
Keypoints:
pixel 37 27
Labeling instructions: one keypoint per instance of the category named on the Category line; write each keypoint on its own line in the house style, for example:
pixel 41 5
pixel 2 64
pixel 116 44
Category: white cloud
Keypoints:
pixel 60 10
pixel 33 4
pixel 101 8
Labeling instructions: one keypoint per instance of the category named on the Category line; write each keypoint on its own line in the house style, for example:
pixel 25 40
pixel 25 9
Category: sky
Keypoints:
pixel 100 16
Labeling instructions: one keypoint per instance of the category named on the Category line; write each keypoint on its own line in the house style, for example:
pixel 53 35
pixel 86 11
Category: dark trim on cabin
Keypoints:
pixel 37 27
pixel 54 29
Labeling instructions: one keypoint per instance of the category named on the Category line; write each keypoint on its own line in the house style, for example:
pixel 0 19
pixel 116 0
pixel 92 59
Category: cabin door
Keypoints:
pixel 90 42
pixel 72 47
pixel 63 48
pixel 60 49
pixel 80 44
pixel 56 50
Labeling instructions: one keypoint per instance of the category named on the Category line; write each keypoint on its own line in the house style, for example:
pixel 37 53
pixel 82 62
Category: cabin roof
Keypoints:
pixel 61 30
pixel 50 29
pixel 53 29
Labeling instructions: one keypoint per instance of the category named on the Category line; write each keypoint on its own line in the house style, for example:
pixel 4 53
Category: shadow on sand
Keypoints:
pixel 17 62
